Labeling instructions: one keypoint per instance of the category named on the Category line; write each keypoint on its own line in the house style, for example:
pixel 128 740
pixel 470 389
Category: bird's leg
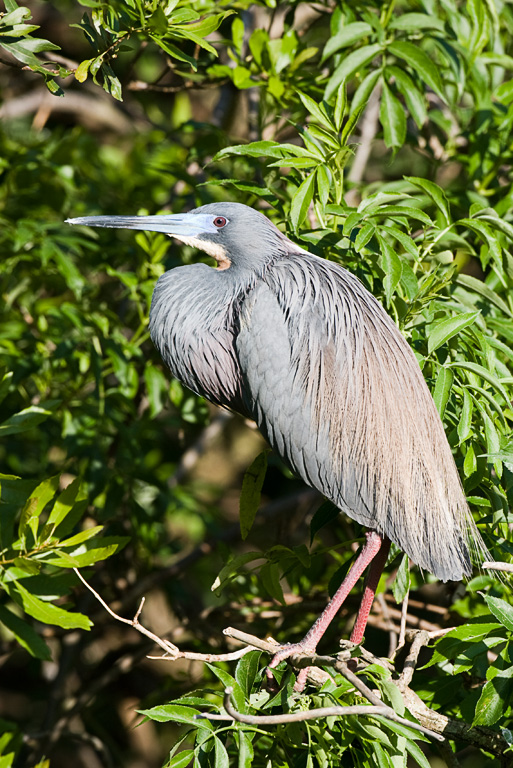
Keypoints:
pixel 371 584
pixel 374 545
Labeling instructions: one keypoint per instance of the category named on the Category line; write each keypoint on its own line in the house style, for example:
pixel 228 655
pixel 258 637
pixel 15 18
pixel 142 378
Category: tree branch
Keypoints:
pixel 171 651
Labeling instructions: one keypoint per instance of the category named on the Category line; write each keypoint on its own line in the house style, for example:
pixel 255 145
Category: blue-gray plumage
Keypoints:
pixel 299 345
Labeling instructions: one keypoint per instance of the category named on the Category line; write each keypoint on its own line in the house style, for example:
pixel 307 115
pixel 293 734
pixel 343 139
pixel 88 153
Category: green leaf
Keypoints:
pixel 435 192
pixel 465 421
pixel 246 671
pixel 263 149
pixel 470 462
pixel 444 382
pixel 79 538
pixel 230 682
pixel 82 70
pixel 231 569
pixel 473 284
pixel 250 494
pixel 407 211
pixel 402 581
pixel 346 36
pixel 470 632
pixel 49 613
pixel 483 372
pixel 221 755
pixel 392 118
pixel 35 504
pixel 412 22
pixel 6 761
pixel 5 384
pixel 364 235
pixel 420 63
pixel 301 201
pixel 25 635
pixel 174 51
pixel 246 751
pixel 350 64
pixel 323 183
pixel 165 713
pixel 64 503
pixel 493 443
pixel 364 90
pixel 440 333
pixel 391 265
pixel 414 98
pixel 405 240
pixel 495 698
pixel 380 756
pixel 111 83
pixel 27 419
pixel 378 200
pixel 270 578
pixel 182 759
pixel 96 550
pixel 316 111
pixel 340 106
pixel 414 750
pixel 501 610
pixel 350 124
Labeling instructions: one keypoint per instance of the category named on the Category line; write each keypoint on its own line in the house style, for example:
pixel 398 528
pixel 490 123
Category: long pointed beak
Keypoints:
pixel 180 224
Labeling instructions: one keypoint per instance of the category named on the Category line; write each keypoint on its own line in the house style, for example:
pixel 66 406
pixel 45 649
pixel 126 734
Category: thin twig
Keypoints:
pixel 171 651
pixel 404 614
pixel 269 645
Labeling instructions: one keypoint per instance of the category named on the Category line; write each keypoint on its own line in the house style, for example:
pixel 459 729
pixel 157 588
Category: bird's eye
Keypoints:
pixel 220 221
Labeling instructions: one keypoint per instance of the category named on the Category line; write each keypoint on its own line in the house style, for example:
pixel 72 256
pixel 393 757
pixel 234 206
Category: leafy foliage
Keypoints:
pixel 256 103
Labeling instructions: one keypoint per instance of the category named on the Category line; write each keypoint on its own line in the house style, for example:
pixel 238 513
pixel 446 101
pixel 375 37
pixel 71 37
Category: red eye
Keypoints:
pixel 220 221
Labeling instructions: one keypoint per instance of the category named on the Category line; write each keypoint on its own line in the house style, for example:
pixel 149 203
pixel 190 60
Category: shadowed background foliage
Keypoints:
pixel 375 134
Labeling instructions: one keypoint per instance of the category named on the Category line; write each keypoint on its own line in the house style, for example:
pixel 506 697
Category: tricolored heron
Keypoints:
pixel 298 344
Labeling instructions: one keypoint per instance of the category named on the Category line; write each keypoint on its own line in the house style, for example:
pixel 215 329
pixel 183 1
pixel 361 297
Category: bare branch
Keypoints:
pixel 171 651
pixel 291 717
pixel 421 639
pixel 339 664
pixel 498 566
pixel 269 645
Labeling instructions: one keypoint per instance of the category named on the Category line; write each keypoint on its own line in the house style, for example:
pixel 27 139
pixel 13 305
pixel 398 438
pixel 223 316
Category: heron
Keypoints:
pixel 297 343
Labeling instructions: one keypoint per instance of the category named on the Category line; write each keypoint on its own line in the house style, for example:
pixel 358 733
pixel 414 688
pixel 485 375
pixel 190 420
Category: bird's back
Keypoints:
pixel 339 394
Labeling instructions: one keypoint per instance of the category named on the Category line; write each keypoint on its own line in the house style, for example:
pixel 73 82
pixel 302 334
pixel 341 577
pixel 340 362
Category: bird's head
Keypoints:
pixel 232 233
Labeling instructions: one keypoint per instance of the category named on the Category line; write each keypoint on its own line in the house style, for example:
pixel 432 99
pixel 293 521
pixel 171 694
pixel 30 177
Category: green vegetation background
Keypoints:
pixel 375 134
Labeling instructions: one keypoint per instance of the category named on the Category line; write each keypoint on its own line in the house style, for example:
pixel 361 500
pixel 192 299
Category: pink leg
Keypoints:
pixel 375 571
pixel 308 644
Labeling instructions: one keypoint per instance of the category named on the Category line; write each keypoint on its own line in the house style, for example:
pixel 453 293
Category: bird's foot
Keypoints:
pixel 291 649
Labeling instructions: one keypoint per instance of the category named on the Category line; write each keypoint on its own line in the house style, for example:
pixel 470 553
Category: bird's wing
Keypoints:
pixel 192 326
pixel 339 394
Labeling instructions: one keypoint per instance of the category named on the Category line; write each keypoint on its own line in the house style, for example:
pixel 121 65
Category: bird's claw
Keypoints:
pixel 285 652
